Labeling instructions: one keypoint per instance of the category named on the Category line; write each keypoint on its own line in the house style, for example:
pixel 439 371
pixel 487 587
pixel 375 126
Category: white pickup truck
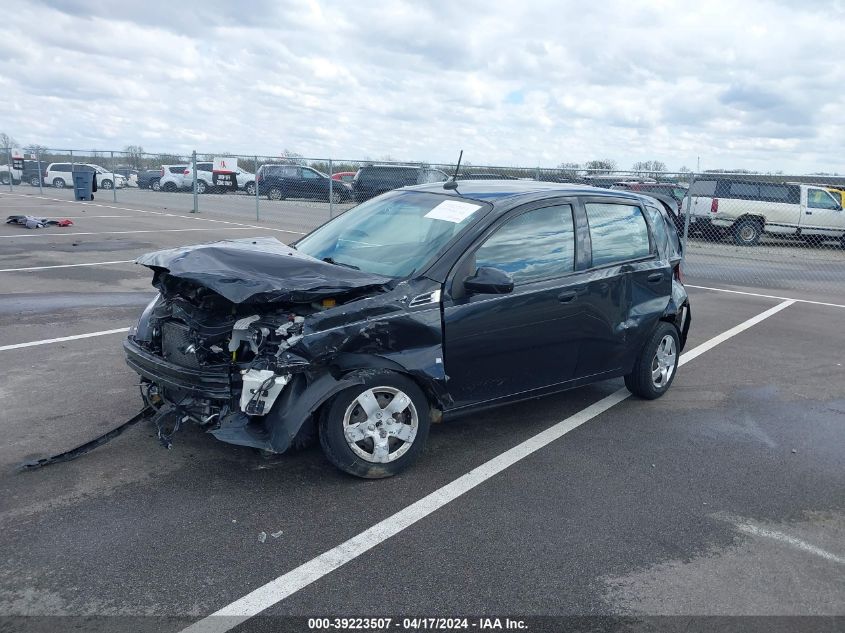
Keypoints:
pixel 746 210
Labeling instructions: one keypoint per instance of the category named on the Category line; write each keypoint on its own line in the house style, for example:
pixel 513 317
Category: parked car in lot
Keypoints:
pixel 33 171
pixel 511 290
pixel 59 175
pixel 8 173
pixel 373 180
pixel 279 182
pixel 171 178
pixel 149 179
pixel 678 192
pixel 484 176
pixel 746 210
pixel 344 176
pixel 130 173
pixel 205 179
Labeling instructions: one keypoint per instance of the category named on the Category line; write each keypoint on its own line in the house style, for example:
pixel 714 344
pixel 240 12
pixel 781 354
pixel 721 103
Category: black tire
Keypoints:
pixel 641 381
pixel 59 183
pixel 155 185
pixel 106 184
pixel 249 188
pixel 332 426
pixel 747 232
pixel 202 187
pixel 275 193
pixel 4 179
pixel 168 187
pixel 35 181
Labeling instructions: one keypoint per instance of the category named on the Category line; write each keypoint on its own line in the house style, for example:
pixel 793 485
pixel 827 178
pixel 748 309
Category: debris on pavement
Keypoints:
pixel 33 222
pixel 277 534
pixel 262 536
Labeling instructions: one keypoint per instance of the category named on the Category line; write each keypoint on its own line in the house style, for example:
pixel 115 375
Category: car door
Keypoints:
pixel 629 285
pixel 314 185
pixel 497 346
pixel 822 214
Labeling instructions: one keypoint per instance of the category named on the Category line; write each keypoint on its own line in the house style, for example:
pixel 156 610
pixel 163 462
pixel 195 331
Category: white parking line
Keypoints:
pixel 169 215
pixel 3 348
pixel 287 584
pixel 17 270
pixel 797 543
pixel 757 294
pixel 40 234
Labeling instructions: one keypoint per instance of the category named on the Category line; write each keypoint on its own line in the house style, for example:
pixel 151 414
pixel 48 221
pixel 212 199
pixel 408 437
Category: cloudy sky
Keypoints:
pixel 754 84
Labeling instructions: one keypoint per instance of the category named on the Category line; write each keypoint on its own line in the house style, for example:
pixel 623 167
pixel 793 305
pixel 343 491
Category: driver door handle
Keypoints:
pixel 655 277
pixel 567 296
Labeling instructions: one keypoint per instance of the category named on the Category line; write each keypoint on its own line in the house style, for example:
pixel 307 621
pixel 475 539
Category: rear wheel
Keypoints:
pixel 275 193
pixel 168 186
pixel 336 197
pixel 376 429
pixel 250 188
pixel 202 187
pixel 59 183
pixel 654 369
pixel 155 185
pixel 747 232
pixel 34 181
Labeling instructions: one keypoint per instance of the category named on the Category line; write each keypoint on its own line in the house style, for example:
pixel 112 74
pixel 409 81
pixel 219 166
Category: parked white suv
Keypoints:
pixel 172 178
pixel 745 210
pixel 60 175
pixel 205 179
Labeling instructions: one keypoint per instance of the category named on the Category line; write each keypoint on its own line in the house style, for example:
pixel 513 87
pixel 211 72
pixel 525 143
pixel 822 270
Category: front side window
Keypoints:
pixel 310 174
pixel 535 245
pixel 820 199
pixel 618 233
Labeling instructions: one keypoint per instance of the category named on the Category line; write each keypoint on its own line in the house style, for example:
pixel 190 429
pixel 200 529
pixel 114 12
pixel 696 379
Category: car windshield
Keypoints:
pixel 393 235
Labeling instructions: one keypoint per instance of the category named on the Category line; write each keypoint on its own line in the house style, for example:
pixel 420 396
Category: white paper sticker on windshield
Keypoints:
pixel 453 211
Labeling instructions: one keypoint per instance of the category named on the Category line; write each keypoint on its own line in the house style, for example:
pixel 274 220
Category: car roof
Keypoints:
pixel 512 190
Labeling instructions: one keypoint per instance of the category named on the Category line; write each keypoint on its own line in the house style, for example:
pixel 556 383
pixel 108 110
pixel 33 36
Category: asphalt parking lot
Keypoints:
pixel 725 497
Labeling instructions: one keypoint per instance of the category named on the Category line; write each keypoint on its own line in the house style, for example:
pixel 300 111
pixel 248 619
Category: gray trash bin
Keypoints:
pixel 83 185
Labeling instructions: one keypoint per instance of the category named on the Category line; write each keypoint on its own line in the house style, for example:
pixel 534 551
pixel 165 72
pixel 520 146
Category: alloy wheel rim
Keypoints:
pixel 380 424
pixel 663 363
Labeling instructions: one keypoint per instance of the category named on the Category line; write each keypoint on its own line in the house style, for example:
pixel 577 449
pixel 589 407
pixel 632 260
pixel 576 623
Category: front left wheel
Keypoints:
pixel 376 429
pixel 655 367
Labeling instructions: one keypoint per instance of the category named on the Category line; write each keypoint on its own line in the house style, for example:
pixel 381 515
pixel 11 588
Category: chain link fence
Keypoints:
pixel 776 232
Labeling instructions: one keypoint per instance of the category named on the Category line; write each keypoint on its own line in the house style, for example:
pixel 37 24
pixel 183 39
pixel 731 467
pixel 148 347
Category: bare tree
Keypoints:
pixel 601 166
pixel 650 168
pixel 7 141
pixel 134 155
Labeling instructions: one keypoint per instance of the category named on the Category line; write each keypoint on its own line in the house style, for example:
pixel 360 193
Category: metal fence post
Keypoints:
pixel 331 190
pixel 11 175
pixel 194 166
pixel 255 180
pixel 114 178
pixel 40 171
pixel 72 170
pixel 687 215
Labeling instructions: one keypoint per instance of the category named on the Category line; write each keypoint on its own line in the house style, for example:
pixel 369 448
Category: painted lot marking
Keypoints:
pixel 62 339
pixel 162 213
pixel 757 294
pixel 287 584
pixel 797 543
pixel 228 228
pixel 16 270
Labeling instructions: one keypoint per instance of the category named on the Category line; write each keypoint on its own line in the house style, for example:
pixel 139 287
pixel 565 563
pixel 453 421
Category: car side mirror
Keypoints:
pixel 490 281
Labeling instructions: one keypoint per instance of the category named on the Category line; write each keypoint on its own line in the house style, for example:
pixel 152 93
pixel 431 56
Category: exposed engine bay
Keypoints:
pixel 250 355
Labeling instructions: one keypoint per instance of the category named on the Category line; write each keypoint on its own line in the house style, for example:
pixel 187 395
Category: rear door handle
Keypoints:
pixel 567 296
pixel 655 277
pixel 808 212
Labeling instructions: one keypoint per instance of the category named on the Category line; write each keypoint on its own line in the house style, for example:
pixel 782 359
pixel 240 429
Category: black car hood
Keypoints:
pixel 257 270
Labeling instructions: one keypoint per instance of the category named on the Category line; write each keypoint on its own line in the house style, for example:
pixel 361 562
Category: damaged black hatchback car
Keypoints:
pixel 420 304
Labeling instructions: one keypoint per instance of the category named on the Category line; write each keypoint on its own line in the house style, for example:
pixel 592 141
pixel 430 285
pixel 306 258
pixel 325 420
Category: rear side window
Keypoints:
pixel 703 188
pixel 178 169
pixel 535 245
pixel 743 190
pixel 618 233
pixel 661 236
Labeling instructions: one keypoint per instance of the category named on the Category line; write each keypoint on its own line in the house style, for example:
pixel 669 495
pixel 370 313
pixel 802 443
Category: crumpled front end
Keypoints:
pixel 251 355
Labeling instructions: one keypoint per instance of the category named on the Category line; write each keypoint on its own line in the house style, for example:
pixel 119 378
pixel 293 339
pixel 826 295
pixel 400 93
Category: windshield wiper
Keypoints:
pixel 329 260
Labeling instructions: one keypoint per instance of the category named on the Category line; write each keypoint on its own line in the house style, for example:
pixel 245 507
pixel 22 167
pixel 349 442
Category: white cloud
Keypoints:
pixel 753 85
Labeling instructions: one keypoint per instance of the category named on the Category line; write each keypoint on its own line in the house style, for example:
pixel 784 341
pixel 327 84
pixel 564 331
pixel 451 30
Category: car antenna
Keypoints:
pixel 452 182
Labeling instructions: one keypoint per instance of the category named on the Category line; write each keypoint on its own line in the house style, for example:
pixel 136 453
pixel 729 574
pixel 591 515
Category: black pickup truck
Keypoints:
pixel 149 179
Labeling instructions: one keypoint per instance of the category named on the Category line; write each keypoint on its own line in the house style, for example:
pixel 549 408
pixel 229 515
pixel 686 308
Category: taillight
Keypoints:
pixel 714 205
pixel 186 172
pixel 679 275
pixel 162 173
